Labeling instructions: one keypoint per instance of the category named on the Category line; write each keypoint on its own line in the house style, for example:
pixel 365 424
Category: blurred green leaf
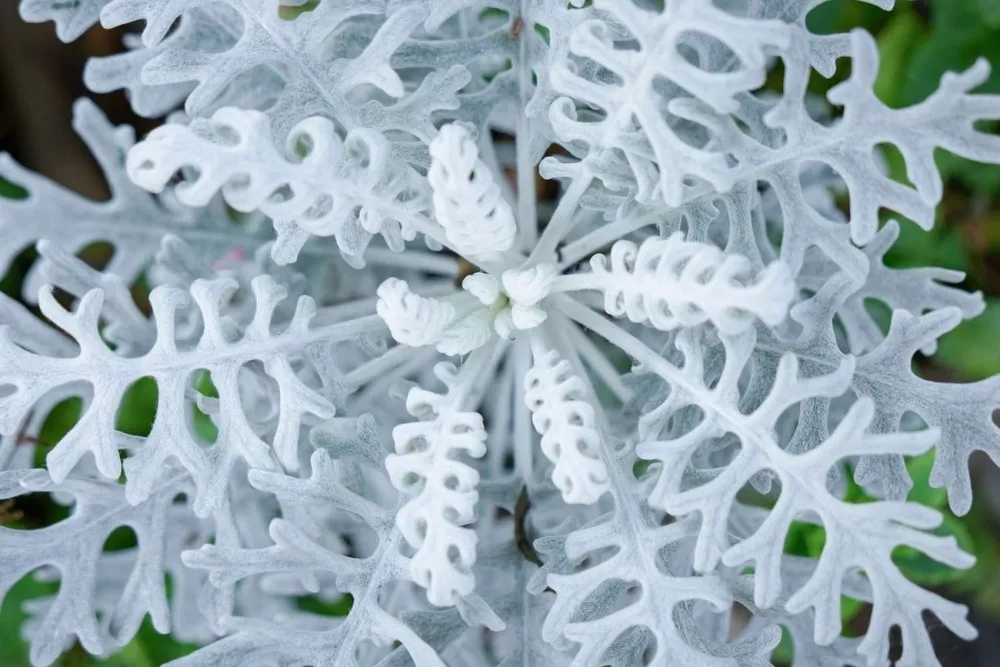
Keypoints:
pixel 942 246
pixel 120 539
pixel 895 44
pixel 948 52
pixel 981 583
pixel 56 425
pixel 138 408
pixel 804 539
pixel 784 652
pixel 959 18
pixel 926 571
pixel 842 15
pixel 972 349
pixel 922 491
pixel 990 11
pixel 918 567
pixel 336 608
pixel 9 190
pixel 961 34
pixel 133 654
pixel 14 651
pixel 973 175
pixel 163 648
pixel 62 418
pixel 290 13
pixel 203 424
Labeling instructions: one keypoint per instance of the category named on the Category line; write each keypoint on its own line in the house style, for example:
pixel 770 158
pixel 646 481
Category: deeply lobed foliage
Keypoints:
pixel 682 330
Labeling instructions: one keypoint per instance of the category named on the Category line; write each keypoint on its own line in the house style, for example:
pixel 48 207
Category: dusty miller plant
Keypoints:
pixel 529 325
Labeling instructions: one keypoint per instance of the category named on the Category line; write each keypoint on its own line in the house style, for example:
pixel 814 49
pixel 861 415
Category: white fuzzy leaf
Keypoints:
pixel 467 201
pixel 351 189
pixel 441 488
pixel 567 424
pixel 670 283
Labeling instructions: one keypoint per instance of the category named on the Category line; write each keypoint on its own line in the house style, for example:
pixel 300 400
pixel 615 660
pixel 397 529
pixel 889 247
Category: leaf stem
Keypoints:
pixel 562 221
pixel 527 212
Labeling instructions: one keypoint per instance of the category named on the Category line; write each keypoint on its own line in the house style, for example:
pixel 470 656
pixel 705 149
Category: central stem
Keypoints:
pixel 527 213
pixel 561 222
